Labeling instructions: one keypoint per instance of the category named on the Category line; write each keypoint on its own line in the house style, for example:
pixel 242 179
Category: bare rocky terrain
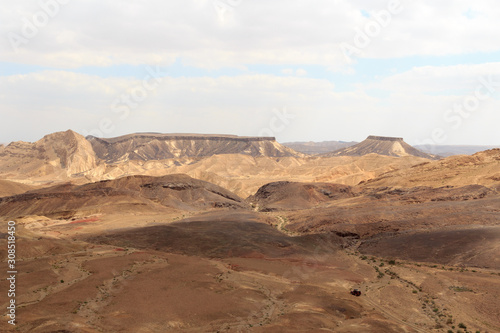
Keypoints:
pixel 118 240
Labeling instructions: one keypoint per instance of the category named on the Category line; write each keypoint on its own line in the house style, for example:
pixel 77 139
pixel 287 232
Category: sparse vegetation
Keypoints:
pixel 460 289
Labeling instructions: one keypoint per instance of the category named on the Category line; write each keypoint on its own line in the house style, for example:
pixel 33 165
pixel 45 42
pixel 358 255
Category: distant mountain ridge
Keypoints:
pixel 314 148
pixel 323 147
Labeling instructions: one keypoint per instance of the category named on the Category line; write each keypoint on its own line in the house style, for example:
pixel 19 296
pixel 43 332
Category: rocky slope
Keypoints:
pixel 381 145
pixel 482 168
pixel 155 146
pixel 61 154
pixel 8 188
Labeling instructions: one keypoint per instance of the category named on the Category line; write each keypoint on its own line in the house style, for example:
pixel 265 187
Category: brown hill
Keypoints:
pixel 381 145
pixel 399 222
pixel 155 146
pixel 475 246
pixel 385 209
pixel 128 194
pixel 57 155
pixel 482 168
pixel 293 195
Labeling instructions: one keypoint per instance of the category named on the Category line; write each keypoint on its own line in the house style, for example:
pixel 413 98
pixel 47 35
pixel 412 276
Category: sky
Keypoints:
pixel 298 70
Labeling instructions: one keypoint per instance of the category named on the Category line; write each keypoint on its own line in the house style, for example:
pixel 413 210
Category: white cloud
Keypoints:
pixel 301 72
pixel 440 79
pixel 270 32
pixel 292 34
pixel 239 105
pixel 297 72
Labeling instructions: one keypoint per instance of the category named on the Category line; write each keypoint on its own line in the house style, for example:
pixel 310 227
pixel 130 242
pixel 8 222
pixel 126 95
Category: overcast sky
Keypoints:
pixel 308 70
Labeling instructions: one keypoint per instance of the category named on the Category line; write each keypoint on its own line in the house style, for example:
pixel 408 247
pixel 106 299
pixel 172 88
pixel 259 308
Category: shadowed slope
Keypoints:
pixel 221 235
pixel 134 193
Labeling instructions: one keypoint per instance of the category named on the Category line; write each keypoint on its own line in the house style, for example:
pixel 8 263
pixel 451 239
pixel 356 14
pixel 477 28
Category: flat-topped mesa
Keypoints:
pixel 382 145
pixel 383 138
pixel 180 136
pixel 159 146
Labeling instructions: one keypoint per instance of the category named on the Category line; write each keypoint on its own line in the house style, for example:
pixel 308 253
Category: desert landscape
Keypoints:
pixel 154 232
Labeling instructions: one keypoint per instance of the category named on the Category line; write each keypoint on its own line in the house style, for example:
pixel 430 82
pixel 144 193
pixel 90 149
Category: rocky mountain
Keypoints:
pixel 227 161
pixel 61 154
pixel 156 146
pixel 381 145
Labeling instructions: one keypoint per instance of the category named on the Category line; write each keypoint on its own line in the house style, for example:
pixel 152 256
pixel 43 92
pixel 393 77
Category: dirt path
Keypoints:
pixel 272 305
pixel 90 309
pixel 72 264
pixel 389 315
pixel 281 227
